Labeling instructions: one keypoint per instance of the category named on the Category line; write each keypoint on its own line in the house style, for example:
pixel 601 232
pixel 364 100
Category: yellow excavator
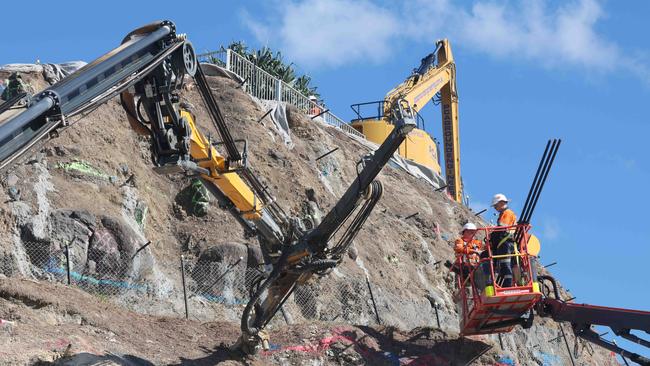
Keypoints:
pixel 435 80
pixel 148 71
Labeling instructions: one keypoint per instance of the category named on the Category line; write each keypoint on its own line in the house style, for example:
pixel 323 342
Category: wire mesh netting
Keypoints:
pixel 203 290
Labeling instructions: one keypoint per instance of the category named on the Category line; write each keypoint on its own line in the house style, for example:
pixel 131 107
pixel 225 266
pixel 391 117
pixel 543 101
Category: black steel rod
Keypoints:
pixel 216 116
pixel 264 116
pixel 411 216
pixel 480 212
pixel 327 153
pixel 10 103
pixel 532 209
pixel 568 349
pixel 225 272
pixel 625 361
pixel 187 312
pixel 549 265
pixel 539 168
pixel 525 214
pixel 372 298
pixel 321 113
pixel 538 183
pixel 141 248
pixel 67 261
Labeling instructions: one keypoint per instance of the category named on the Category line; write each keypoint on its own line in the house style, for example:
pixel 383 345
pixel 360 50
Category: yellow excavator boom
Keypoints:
pixel 230 183
pixel 435 79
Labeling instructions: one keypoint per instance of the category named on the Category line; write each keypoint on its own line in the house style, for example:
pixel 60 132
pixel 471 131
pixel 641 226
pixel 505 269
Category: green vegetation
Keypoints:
pixel 274 64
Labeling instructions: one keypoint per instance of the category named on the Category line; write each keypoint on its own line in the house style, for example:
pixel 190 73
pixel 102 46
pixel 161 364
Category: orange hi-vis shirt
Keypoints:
pixel 507 218
pixel 466 248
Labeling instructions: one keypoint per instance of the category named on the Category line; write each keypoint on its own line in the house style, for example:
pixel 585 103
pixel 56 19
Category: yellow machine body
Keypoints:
pixel 418 147
pixel 435 79
pixel 230 183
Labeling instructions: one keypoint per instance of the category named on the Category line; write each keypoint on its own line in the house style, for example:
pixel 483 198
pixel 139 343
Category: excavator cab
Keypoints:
pixel 485 305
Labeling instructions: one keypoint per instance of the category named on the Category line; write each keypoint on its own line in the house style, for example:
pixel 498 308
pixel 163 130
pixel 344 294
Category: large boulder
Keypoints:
pixel 112 246
pixel 72 228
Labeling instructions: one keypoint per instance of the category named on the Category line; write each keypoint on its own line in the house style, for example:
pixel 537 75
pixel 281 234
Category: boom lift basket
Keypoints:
pixel 485 306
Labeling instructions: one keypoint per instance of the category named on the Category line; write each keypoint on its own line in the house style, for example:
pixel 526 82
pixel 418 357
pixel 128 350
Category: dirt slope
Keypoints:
pixel 401 256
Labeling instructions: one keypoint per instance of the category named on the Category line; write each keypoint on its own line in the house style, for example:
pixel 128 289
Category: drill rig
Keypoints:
pixel 148 71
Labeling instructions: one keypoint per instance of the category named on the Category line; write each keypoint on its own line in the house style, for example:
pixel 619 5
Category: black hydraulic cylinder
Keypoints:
pixel 14 126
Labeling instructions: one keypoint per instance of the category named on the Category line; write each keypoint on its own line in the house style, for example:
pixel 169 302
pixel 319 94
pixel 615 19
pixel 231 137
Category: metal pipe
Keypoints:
pixel 12 127
pixel 327 153
pixel 537 186
pixel 544 179
pixel 480 212
pixel 187 313
pixel 67 261
pixel 321 113
pixel 230 267
pixel 567 344
pixel 372 298
pixel 435 308
pixel 539 167
pixel 411 216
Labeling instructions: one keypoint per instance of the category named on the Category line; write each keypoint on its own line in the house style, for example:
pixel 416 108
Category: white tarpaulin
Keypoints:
pixel 413 168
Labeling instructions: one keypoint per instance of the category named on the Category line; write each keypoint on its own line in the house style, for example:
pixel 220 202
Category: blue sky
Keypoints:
pixel 577 70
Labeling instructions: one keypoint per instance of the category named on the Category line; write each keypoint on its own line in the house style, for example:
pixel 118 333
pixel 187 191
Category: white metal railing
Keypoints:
pixel 263 85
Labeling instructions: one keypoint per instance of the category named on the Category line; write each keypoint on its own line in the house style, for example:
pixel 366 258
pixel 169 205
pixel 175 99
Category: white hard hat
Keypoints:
pixel 498 198
pixel 469 226
pixel 312 97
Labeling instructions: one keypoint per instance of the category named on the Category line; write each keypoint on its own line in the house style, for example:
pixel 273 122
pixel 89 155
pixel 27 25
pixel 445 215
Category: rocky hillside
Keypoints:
pixel 92 188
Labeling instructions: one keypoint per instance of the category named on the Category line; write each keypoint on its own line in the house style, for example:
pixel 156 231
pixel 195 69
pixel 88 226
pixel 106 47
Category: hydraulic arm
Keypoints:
pixel 312 253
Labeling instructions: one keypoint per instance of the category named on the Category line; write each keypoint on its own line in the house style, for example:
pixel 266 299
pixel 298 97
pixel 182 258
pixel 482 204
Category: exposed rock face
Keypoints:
pixel 107 216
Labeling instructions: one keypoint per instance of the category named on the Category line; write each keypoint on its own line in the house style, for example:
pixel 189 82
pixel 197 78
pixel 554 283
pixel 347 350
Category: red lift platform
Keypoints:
pixel 485 306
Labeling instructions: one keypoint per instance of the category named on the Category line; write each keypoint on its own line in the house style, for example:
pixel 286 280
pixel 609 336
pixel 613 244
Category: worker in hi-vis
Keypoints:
pixel 314 108
pixel 468 246
pixel 468 249
pixel 502 242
